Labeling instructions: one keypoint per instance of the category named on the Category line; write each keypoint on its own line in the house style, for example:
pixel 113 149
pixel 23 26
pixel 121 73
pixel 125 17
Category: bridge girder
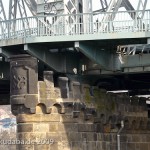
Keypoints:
pixel 61 62
pixel 32 6
pixel 22 6
pixel 2 11
pixel 100 56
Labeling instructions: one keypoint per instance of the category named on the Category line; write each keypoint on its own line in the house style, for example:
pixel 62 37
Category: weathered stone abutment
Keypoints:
pixel 72 116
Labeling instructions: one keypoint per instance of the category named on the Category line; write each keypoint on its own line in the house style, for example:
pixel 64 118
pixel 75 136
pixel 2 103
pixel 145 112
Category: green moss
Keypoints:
pixel 100 100
pixel 99 97
pixel 87 96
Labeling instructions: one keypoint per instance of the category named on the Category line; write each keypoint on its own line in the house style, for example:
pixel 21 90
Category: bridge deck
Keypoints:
pixel 77 27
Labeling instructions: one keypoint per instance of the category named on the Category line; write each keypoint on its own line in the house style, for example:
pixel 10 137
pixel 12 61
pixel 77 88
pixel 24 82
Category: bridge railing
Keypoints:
pixel 76 24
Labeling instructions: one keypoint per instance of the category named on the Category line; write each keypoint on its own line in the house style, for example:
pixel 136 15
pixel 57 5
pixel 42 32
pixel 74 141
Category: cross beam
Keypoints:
pixel 63 62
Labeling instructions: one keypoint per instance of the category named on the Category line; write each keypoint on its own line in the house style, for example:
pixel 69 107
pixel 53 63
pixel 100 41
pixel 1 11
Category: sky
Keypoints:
pixel 96 4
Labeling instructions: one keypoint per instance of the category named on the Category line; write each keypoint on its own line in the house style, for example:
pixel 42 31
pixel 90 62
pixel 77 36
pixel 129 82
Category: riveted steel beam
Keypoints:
pixel 133 49
pixel 2 11
pixel 59 61
pixel 134 58
pixel 128 6
pixel 32 5
pixel 102 57
pixel 5 53
pixel 137 60
pixel 104 5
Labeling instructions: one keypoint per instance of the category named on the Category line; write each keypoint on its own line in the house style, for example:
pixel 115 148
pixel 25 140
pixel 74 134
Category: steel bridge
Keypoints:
pixel 108 47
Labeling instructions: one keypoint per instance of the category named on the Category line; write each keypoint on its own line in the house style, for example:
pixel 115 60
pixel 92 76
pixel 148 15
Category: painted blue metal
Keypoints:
pixel 63 62
pixel 98 55
pixel 5 52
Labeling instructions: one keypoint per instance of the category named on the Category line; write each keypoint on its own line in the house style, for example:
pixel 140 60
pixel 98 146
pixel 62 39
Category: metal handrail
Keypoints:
pixel 75 24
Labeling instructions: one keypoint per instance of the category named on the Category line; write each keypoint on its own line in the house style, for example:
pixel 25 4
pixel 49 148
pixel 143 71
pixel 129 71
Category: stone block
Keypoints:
pixel 144 146
pixel 64 137
pixel 76 146
pixel 41 90
pixel 137 146
pixel 41 147
pixel 134 101
pixel 25 127
pixel 25 147
pixel 122 107
pixel 68 127
pixel 65 93
pixel 68 119
pixel 143 137
pixel 123 138
pixel 148 125
pixel 123 146
pixel 57 93
pixel 75 136
pixel 99 127
pixel 91 145
pixel 50 94
pixel 11 147
pixel 53 127
pixel 130 108
pixel 54 146
pixel 89 136
pixel 35 136
pixel 148 145
pixel 131 146
pixel 24 135
pixel 56 137
pixel 76 90
pixel 84 145
pixel 38 118
pixel 107 128
pixel 108 145
pixel 63 84
pixel 55 110
pixel 99 145
pixel 142 102
pixel 147 138
pixel 113 146
pixel 41 127
pixel 107 137
pixel 48 79
pixel 100 136
pixel 71 137
pixel 23 82
pixel 114 137
pixel 86 127
pixel 64 146
pixel 39 136
pixel 104 146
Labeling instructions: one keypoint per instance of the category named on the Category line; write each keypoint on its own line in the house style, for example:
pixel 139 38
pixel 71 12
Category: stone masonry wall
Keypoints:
pixel 73 116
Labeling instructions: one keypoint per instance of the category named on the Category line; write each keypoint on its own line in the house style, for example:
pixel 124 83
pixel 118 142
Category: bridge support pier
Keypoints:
pixel 47 116
pixel 71 116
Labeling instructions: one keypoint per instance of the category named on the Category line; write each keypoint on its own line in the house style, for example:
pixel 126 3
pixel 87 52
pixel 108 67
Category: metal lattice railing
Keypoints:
pixel 75 24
